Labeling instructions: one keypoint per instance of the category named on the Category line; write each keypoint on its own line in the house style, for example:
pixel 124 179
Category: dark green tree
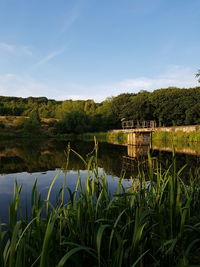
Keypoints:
pixel 193 115
pixel 140 107
pixel 32 125
pixel 74 122
pixel 198 75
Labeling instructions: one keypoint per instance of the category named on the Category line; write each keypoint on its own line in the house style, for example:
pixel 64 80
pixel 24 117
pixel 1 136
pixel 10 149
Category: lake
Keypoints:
pixel 24 161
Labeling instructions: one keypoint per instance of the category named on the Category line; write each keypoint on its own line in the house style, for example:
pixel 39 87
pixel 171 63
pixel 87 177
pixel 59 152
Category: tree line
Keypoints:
pixel 169 107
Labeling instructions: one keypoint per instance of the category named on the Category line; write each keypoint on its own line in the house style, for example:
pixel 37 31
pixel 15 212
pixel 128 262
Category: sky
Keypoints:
pixel 94 49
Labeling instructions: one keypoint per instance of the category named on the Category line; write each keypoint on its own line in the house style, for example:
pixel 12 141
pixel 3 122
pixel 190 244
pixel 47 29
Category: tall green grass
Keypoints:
pixel 157 224
pixel 177 136
pixel 117 137
pixel 100 136
pixel 110 136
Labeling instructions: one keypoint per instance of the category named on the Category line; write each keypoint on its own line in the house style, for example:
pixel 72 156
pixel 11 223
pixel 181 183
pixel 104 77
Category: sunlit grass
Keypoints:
pixel 177 136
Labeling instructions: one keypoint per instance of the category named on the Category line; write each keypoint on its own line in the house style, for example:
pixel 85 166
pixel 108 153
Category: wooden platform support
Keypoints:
pixel 139 138
pixel 137 151
pixel 132 164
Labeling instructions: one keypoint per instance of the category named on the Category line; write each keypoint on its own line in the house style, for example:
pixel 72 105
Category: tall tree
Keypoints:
pixel 198 75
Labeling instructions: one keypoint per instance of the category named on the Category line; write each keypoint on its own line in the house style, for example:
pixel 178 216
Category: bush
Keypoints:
pixel 32 126
pixel 74 122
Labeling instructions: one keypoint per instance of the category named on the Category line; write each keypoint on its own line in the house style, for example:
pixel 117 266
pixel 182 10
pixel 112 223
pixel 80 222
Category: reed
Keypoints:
pixel 155 224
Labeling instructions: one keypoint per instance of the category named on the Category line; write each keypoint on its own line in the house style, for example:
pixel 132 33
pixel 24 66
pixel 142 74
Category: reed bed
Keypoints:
pixel 155 224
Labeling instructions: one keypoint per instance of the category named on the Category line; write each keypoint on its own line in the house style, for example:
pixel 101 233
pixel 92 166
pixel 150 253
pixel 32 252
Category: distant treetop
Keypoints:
pixel 198 75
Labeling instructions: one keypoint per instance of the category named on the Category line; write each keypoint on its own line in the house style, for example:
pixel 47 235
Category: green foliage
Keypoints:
pixel 141 104
pixel 74 122
pixel 90 106
pixel 162 135
pixel 100 136
pixel 193 115
pixel 112 137
pixel 120 105
pixel 116 137
pixel 177 136
pixel 32 126
pixel 168 107
pixel 155 224
pixel 198 76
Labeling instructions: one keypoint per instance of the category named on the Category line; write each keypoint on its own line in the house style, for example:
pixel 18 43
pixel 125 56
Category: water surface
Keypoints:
pixel 24 161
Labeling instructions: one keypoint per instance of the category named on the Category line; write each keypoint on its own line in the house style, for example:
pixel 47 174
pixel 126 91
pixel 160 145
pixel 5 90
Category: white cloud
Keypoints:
pixel 15 49
pixel 176 76
pixel 15 85
pixel 7 47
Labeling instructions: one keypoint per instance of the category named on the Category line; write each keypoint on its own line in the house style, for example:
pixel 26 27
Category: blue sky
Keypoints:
pixel 83 49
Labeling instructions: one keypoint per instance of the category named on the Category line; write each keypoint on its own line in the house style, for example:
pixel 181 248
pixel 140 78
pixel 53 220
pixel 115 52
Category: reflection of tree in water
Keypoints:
pixel 31 156
pixel 166 159
pixel 44 155
pixel 110 158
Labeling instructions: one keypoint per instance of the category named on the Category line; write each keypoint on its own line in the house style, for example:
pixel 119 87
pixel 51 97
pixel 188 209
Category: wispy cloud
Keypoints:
pixel 72 16
pixel 7 47
pixel 144 7
pixel 176 76
pixel 16 85
pixel 15 49
pixel 50 56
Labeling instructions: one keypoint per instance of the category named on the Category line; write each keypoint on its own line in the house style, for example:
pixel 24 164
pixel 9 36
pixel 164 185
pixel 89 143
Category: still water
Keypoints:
pixel 25 161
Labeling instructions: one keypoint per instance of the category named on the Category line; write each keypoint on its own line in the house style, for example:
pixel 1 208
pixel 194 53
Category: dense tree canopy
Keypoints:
pixel 74 122
pixel 170 106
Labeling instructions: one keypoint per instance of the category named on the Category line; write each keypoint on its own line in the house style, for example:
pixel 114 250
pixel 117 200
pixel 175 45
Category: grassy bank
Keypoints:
pixel 100 136
pixel 113 137
pixel 177 136
pixel 153 224
pixel 121 138
pixel 26 127
pixel 10 135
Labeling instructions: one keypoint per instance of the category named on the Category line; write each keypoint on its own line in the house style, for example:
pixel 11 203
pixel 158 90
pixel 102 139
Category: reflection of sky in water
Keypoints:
pixel 43 182
pixel 24 164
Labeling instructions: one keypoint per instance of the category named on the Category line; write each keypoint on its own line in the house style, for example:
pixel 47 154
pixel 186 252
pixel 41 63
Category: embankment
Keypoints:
pixel 110 136
pixel 185 134
pixel 189 133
